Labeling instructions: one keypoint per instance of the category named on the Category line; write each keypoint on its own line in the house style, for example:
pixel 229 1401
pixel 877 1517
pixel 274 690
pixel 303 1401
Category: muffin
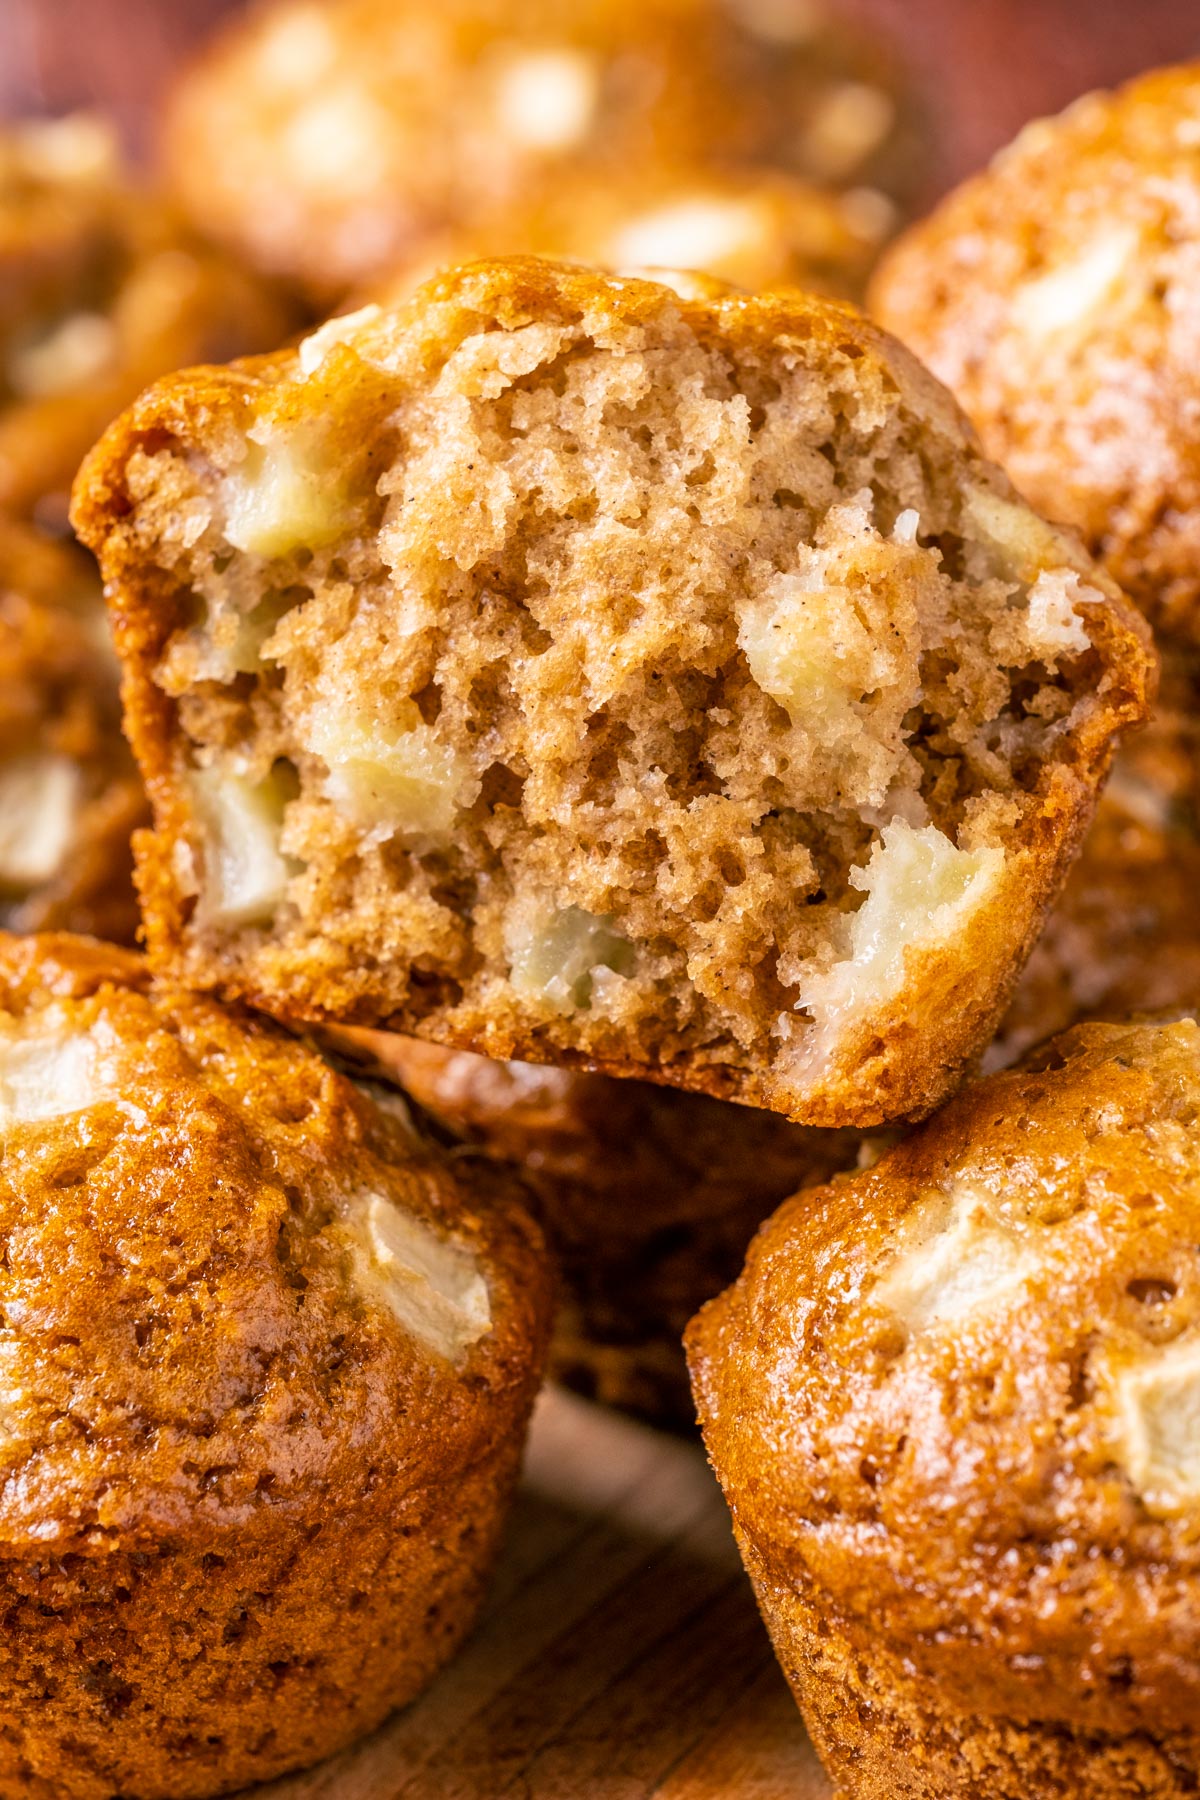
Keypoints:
pixel 754 230
pixel 101 290
pixel 328 142
pixel 477 660
pixel 1055 295
pixel 648 1197
pixel 268 1364
pixel 1124 937
pixel 70 793
pixel 952 1401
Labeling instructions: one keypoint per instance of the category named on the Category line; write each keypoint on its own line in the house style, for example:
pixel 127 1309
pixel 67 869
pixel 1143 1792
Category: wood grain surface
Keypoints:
pixel 620 1656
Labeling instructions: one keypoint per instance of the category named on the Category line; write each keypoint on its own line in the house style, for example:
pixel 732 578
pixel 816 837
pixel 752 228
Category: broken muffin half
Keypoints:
pixel 561 669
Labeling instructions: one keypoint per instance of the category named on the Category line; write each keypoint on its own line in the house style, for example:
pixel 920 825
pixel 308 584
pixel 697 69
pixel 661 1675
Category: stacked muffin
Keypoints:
pixel 588 697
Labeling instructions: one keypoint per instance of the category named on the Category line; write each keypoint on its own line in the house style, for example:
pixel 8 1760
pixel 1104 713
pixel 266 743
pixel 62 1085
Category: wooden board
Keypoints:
pixel 620 1656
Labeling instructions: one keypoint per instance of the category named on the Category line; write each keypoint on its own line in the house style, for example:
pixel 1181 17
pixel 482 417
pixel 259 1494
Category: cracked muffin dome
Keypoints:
pixel 1056 295
pixel 754 230
pixel 329 142
pixel 70 793
pixel 101 290
pixel 570 672
pixel 953 1404
pixel 1124 936
pixel 268 1360
pixel 648 1198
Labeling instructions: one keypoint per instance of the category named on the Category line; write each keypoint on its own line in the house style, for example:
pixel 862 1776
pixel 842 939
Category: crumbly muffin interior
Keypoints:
pixel 604 675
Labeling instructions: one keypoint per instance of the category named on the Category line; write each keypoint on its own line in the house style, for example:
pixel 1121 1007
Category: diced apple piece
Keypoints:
pixel 47 1071
pixel 1066 297
pixel 390 777
pixel 433 1286
pixel 545 99
pixel 39 802
pixel 283 497
pixel 697 233
pixel 957 1260
pixel 1024 544
pixel 1158 1405
pixel 921 890
pixel 245 872
pixel 553 956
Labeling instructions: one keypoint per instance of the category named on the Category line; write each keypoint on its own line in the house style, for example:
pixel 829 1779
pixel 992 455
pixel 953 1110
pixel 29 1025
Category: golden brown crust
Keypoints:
pixel 1054 294
pixel 648 1198
pixel 903 1052
pixel 104 289
pixel 948 1402
pixel 221 1423
pixel 329 143
pixel 888 1737
pixel 60 721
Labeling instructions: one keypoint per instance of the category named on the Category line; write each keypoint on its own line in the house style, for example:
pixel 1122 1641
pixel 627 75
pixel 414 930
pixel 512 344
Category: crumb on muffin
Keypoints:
pixel 564 670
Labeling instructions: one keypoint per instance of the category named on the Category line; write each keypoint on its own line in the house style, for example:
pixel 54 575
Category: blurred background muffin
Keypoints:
pixel 328 142
pixel 70 794
pixel 980 70
pixel 101 290
pixel 753 230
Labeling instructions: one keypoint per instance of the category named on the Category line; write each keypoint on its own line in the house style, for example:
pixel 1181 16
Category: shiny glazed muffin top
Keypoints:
pixel 231 1283
pixel 1058 295
pixel 960 1392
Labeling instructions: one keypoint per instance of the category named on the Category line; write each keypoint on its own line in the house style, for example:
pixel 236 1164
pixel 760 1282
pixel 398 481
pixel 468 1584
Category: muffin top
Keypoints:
pixel 1057 295
pixel 328 141
pixel 102 288
pixel 234 1287
pixel 959 1391
pixel 70 794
